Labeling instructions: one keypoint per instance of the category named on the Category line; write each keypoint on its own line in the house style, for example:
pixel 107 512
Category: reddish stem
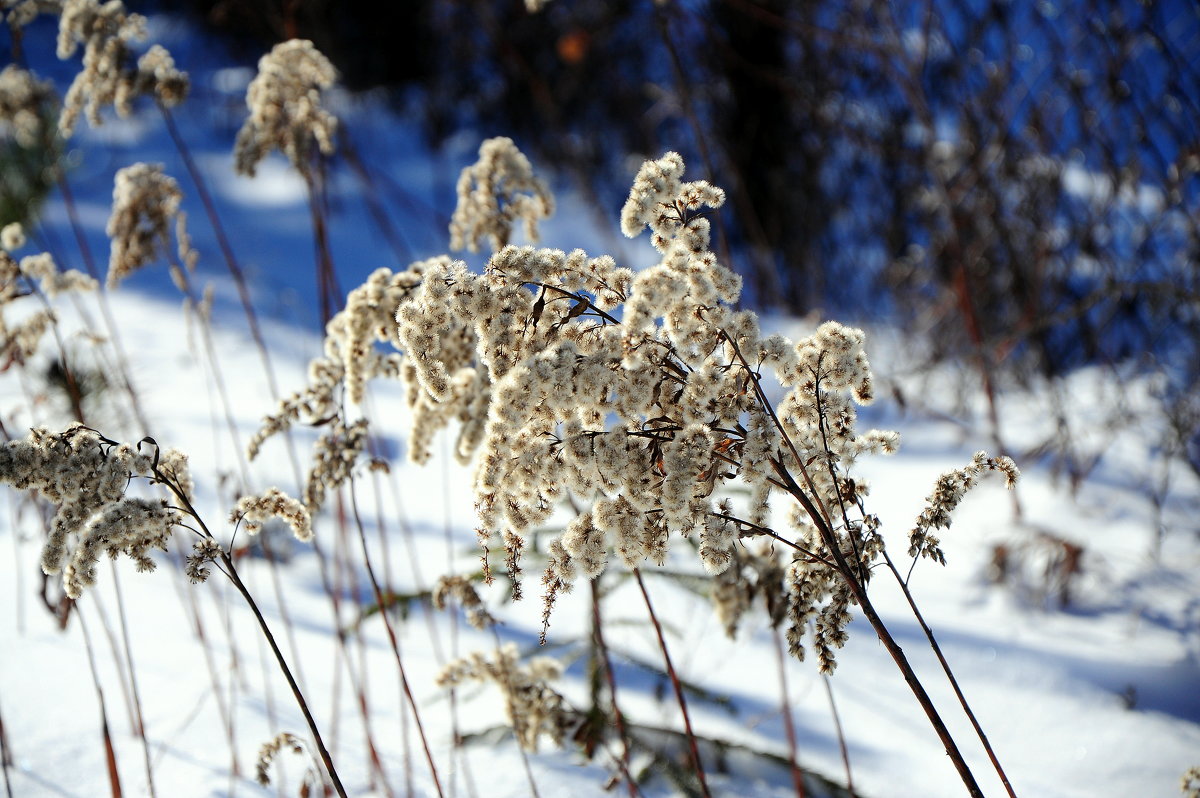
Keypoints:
pixel 687 721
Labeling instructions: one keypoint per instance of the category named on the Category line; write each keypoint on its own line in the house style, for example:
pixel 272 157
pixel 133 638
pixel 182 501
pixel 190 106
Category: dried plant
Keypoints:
pixel 33 275
pixel 533 707
pixel 949 491
pixel 1190 784
pixel 110 76
pixel 24 103
pixel 463 591
pixel 285 108
pixel 87 477
pixel 146 202
pixel 311 784
pixel 494 194
pixel 639 398
pixel 253 511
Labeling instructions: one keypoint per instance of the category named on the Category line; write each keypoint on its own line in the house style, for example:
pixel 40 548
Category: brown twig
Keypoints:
pixel 962 699
pixel 610 678
pixel 841 734
pixel 850 576
pixel 231 572
pixel 785 708
pixel 133 683
pixel 6 758
pixel 110 752
pixel 394 640
pixel 687 721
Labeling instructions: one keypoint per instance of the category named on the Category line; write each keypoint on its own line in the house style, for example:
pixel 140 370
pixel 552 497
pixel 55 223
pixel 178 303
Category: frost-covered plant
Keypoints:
pixel 110 74
pixel 87 478
pixel 495 193
pixel 638 397
pixel 32 274
pixel 285 108
pixel 311 784
pixel 24 103
pixel 534 708
pixel 146 202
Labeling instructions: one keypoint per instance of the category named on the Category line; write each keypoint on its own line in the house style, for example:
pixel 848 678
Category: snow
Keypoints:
pixel 1096 698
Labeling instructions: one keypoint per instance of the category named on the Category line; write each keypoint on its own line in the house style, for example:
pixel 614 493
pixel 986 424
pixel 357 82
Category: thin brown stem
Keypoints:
pixel 962 699
pixel 841 734
pixel 752 529
pixel 239 279
pixel 6 758
pixel 133 684
pixel 687 721
pixel 328 292
pixel 110 752
pixel 850 575
pixel 456 741
pixel 188 599
pixel 610 678
pixel 862 573
pixel 85 252
pixel 897 653
pixel 394 640
pixel 230 570
pixel 766 405
pixel 785 706
pixel 231 262
pixel 236 580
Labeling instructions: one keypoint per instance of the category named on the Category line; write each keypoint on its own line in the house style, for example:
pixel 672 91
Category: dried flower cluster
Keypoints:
pixel 268 752
pixel 460 589
pixel 110 76
pixel 40 270
pixel 949 490
pixel 819 595
pixel 636 396
pixel 753 576
pixel 204 551
pixel 146 202
pixel 12 237
pixel 21 12
pixel 1190 785
pixel 311 784
pixel 253 511
pixel 350 357
pixel 661 201
pixel 19 339
pixel 85 476
pixel 285 108
pixel 534 708
pixel 334 456
pixel 350 360
pixel 495 193
pixel 25 105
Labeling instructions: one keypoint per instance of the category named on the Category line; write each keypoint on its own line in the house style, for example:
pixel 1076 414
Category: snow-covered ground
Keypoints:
pixel 1100 697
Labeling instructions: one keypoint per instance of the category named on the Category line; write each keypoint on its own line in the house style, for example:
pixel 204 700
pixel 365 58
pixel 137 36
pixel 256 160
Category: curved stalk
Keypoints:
pixel 232 573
